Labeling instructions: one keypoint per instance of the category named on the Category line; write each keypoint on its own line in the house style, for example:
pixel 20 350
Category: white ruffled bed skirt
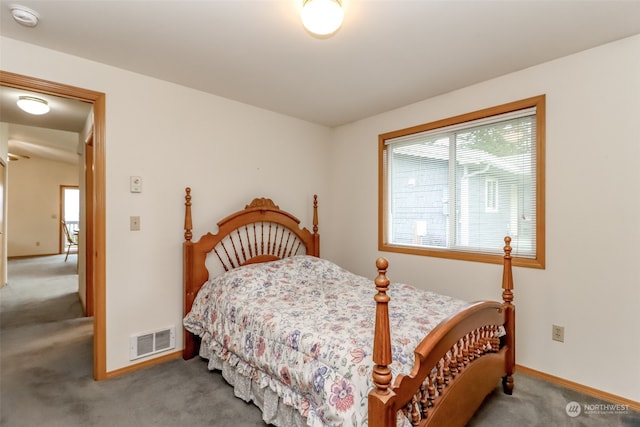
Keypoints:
pixel 280 406
pixel 264 394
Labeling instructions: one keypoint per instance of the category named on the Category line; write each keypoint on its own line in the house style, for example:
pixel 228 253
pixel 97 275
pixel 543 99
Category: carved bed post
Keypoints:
pixel 187 215
pixel 316 236
pixel 379 411
pixel 189 341
pixel 510 318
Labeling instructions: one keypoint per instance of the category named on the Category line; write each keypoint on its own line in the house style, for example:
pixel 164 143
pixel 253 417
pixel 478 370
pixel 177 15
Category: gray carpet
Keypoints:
pixel 46 373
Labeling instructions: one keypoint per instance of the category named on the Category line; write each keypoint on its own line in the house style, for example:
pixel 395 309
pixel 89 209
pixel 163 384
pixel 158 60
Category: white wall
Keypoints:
pixel 591 284
pixel 175 137
pixel 33 205
pixel 230 152
pixel 4 141
pixel 4 151
pixel 83 138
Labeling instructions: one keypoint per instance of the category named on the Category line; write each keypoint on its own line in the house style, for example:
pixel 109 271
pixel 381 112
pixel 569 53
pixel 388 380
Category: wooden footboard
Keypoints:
pixel 456 366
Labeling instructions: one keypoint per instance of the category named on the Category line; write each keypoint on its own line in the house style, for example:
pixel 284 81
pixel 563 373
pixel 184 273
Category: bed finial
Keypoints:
pixel 507 276
pixel 382 335
pixel 187 215
pixel 510 319
pixel 315 214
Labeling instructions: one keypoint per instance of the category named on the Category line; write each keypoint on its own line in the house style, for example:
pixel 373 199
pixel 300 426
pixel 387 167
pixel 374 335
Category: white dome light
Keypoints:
pixel 322 17
pixel 33 105
pixel 24 16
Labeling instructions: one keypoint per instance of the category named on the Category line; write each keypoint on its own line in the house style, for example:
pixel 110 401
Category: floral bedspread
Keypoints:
pixel 304 327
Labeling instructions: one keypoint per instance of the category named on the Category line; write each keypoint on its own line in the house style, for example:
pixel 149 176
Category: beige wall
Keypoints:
pixel 82 139
pixel 174 137
pixel 591 284
pixel 4 151
pixel 33 206
pixel 4 141
pixel 230 152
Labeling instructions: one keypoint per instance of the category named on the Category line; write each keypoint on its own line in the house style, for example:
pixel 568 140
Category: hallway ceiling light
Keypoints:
pixel 24 16
pixel 322 17
pixel 33 105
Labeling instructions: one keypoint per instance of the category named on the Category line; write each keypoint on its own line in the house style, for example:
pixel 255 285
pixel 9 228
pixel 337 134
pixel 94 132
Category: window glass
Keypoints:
pixel 457 187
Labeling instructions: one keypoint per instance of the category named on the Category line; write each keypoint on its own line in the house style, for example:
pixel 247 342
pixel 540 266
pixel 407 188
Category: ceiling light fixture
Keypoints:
pixel 24 16
pixel 33 105
pixel 322 17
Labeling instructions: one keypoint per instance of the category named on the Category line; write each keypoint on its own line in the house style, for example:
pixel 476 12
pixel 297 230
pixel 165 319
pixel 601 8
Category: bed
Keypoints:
pixel 310 343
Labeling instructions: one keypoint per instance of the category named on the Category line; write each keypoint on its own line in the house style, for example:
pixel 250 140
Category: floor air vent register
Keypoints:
pixel 149 343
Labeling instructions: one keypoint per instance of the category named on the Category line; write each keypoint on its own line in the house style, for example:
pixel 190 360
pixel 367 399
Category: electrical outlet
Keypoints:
pixel 557 333
pixel 134 223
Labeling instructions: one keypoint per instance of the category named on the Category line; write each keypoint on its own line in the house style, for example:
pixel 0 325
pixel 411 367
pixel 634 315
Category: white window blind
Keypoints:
pixel 464 187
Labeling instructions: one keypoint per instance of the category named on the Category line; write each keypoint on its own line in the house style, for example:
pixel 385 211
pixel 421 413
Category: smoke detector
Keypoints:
pixel 24 16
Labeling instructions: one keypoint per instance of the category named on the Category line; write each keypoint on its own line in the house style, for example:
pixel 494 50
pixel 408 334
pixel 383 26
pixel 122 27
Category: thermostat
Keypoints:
pixel 136 184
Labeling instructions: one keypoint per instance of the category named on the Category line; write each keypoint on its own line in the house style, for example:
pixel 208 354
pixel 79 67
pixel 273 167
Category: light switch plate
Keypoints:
pixel 135 184
pixel 134 223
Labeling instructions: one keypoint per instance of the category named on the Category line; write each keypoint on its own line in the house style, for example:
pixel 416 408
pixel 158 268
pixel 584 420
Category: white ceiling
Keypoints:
pixel 388 53
pixel 52 136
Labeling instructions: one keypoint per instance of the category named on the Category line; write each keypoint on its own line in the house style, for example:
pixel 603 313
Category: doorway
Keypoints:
pixel 96 243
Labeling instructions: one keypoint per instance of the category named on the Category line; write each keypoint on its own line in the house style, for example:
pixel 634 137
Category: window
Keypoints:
pixel 456 187
pixel 491 195
pixel 70 207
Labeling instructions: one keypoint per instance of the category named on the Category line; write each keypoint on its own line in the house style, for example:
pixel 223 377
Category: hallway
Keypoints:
pixel 44 337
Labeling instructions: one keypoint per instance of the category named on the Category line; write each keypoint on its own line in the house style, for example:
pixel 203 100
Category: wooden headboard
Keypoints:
pixel 260 232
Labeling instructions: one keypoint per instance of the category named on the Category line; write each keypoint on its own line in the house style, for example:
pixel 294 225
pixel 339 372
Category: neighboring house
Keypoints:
pixel 422 205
